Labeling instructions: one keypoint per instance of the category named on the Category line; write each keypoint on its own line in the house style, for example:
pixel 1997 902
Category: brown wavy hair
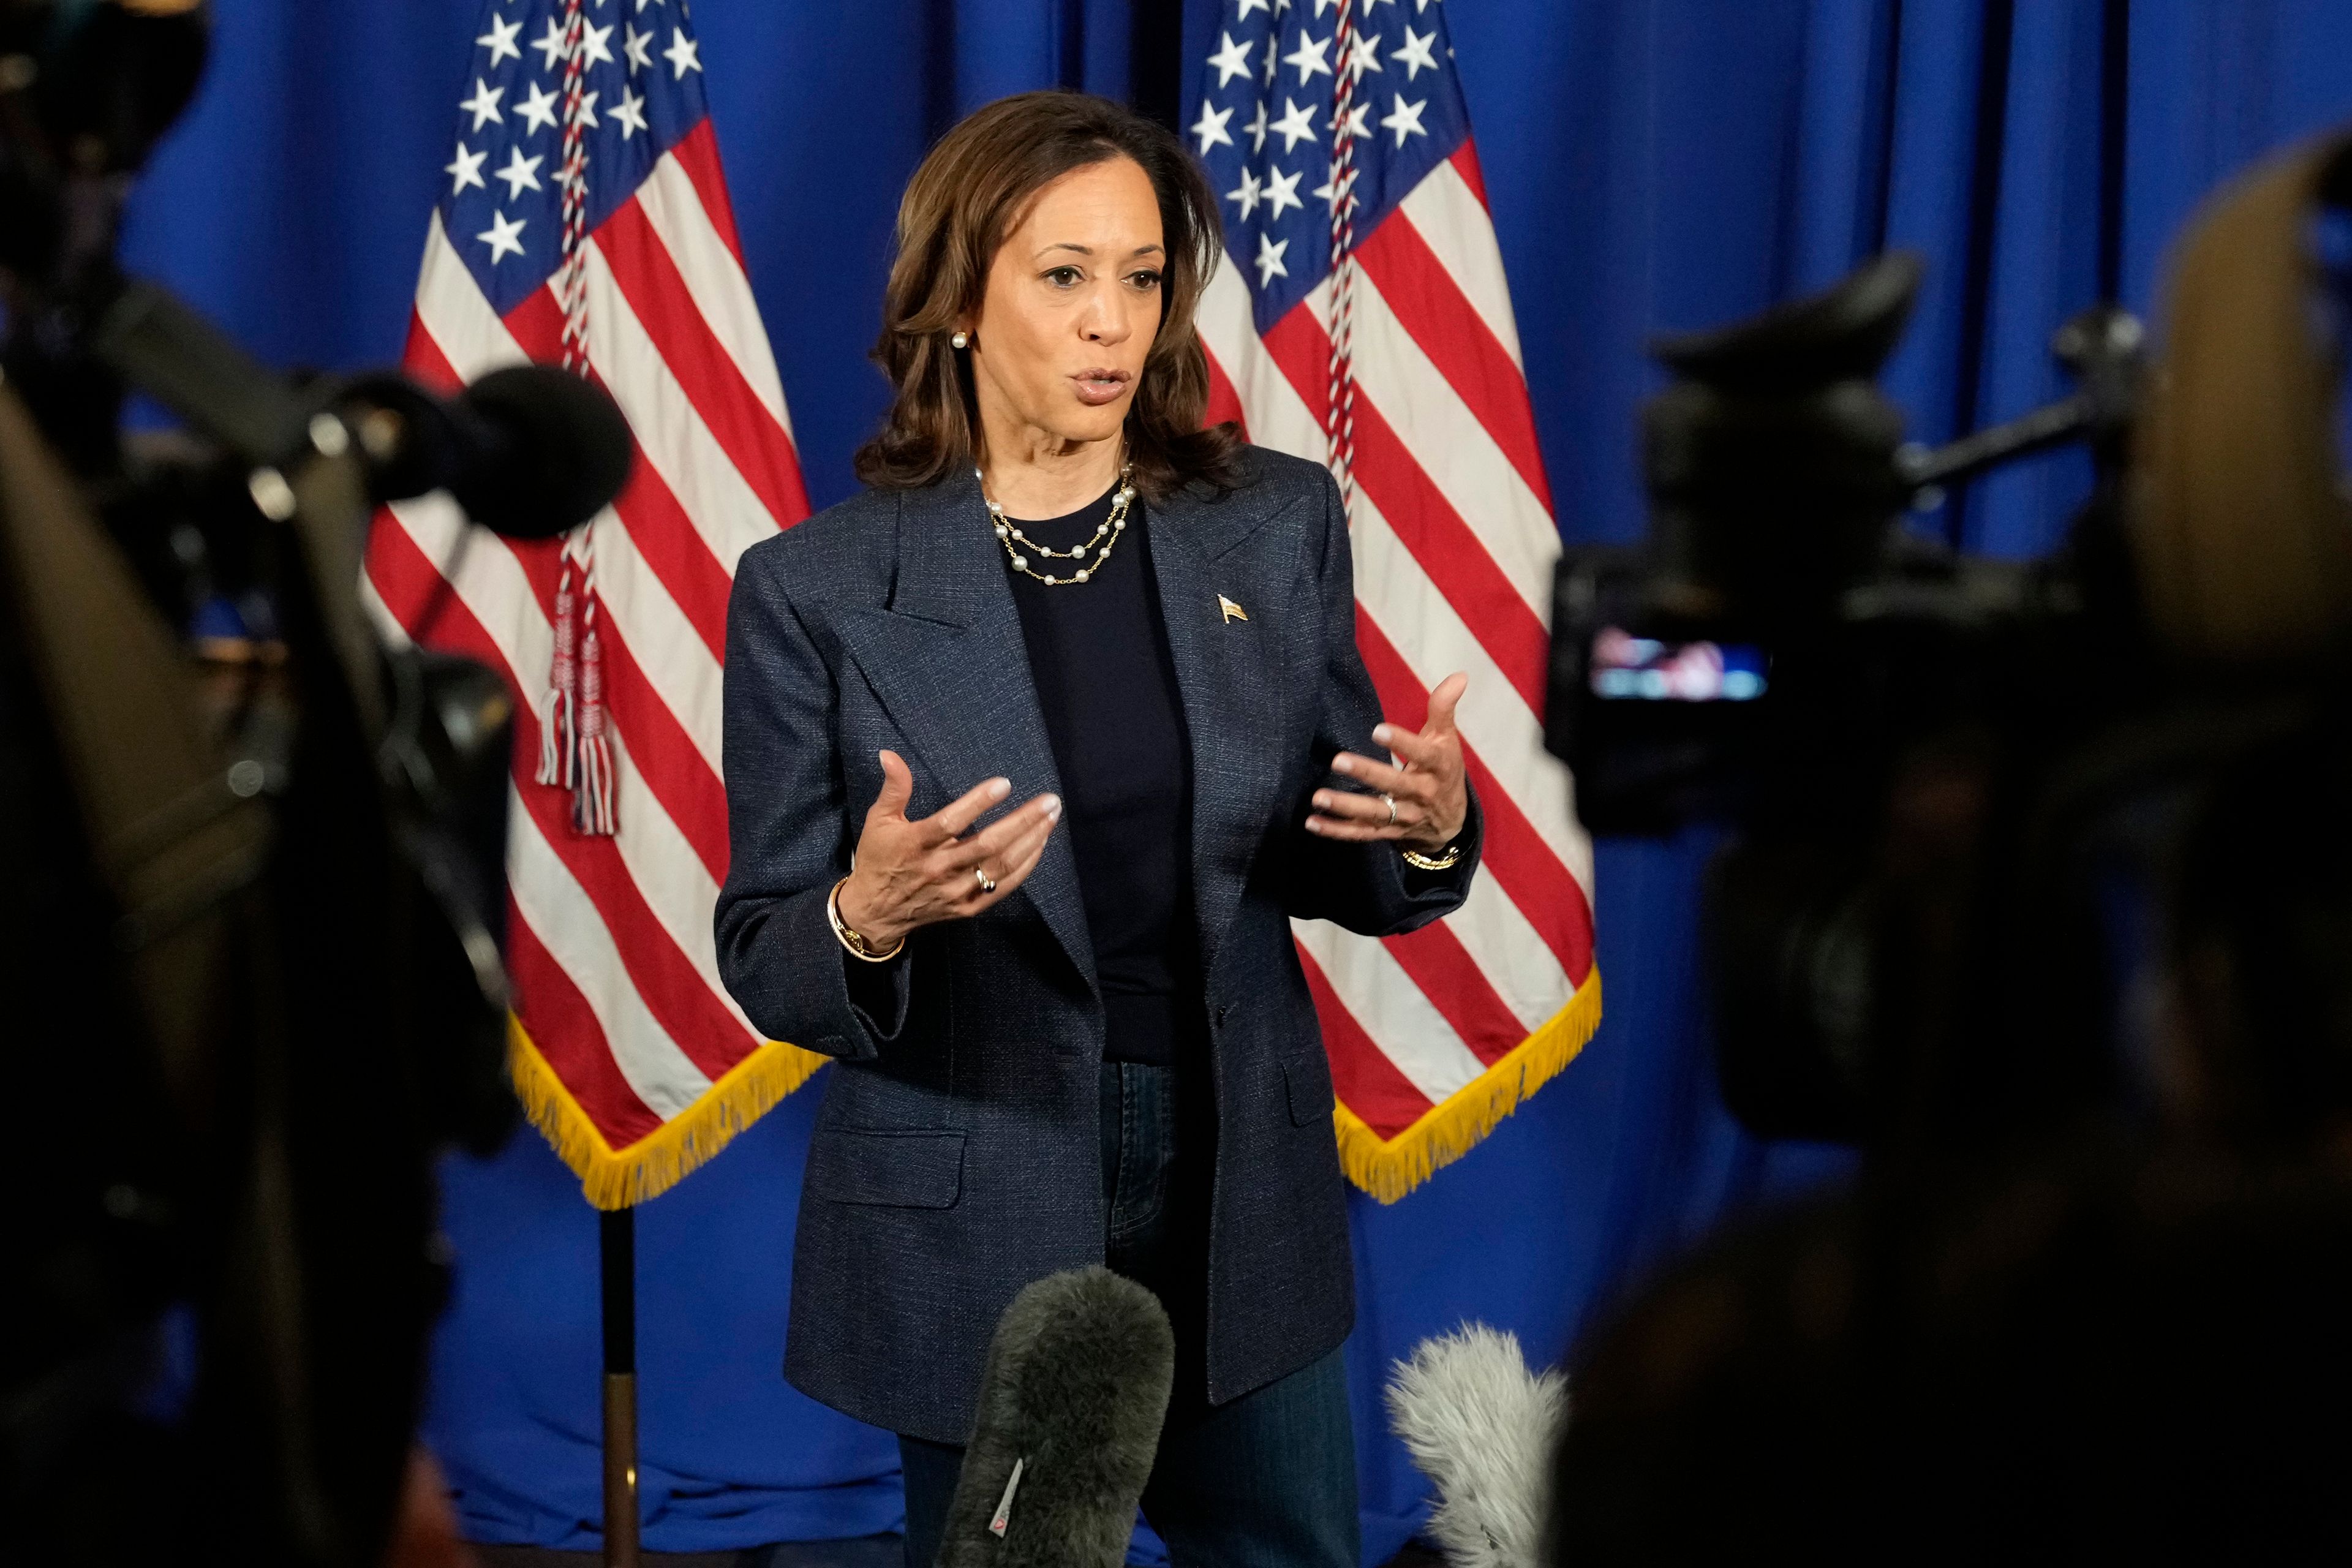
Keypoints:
pixel 969 193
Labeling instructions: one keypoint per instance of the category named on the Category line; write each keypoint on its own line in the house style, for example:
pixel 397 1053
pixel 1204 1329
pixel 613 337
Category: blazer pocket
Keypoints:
pixel 1310 1100
pixel 893 1169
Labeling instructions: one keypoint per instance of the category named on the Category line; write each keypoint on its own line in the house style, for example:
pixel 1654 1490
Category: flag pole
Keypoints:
pixel 617 1251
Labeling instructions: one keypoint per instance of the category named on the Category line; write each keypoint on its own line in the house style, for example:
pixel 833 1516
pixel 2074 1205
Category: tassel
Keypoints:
pixel 592 801
pixel 592 805
pixel 559 725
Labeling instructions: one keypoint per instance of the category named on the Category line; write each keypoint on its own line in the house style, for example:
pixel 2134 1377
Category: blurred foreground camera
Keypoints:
pixel 1785 657
pixel 255 862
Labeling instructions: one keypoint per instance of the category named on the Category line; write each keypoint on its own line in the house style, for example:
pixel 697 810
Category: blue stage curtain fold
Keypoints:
pixel 1653 165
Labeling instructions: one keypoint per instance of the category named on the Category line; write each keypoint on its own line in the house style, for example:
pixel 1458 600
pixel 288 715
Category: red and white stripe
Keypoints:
pixel 610 942
pixel 1454 542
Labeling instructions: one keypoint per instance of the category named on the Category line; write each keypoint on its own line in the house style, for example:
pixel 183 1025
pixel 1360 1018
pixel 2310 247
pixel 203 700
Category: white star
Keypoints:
pixel 591 40
pixel 1416 53
pixel 1211 127
pixel 552 45
pixel 520 172
pixel 537 109
pixel 1250 5
pixel 1280 6
pixel 1269 260
pixel 639 47
pixel 1297 125
pixel 1404 119
pixel 466 170
pixel 629 113
pixel 500 41
pixel 1369 5
pixel 1232 59
pixel 680 54
pixel 1256 127
pixel 1363 54
pixel 1356 126
pixel 1418 6
pixel 588 107
pixel 643 3
pixel 1308 57
pixel 1247 196
pixel 1281 189
pixel 484 105
pixel 1331 194
pixel 502 236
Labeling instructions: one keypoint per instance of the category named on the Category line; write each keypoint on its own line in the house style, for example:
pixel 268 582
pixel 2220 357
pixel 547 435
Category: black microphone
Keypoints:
pixel 1071 1400
pixel 529 451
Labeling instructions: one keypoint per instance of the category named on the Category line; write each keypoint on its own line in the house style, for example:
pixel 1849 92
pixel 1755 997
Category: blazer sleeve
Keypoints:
pixel 789 836
pixel 1364 887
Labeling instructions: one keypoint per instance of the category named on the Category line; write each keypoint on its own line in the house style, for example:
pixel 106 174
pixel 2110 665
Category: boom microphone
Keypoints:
pixel 529 451
pixel 1070 1405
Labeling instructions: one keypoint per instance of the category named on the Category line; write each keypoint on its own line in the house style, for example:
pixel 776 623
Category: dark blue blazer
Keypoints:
pixel 955 1157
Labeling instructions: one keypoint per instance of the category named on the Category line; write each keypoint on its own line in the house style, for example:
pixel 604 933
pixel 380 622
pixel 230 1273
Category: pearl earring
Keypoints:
pixel 960 339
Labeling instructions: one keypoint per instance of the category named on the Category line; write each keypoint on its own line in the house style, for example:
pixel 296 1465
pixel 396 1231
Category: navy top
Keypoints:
pixel 1106 683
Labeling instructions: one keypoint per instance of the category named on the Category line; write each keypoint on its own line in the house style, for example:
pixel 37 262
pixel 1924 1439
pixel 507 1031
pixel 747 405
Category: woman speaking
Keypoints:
pixel 1033 750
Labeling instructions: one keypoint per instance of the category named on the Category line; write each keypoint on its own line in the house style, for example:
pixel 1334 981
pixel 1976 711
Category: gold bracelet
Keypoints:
pixel 1446 860
pixel 858 945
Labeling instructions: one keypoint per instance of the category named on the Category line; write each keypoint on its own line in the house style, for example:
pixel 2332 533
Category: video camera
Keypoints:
pixel 1862 706
pixel 1996 836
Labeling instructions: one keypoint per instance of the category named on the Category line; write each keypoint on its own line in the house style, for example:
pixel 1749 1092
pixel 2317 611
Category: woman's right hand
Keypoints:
pixel 911 873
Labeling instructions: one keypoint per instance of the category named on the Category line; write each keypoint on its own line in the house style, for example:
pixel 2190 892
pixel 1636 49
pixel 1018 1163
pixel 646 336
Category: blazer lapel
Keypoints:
pixel 1229 672
pixel 947 659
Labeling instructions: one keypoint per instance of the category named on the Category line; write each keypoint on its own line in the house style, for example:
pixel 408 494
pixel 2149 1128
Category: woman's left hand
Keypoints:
pixel 1430 799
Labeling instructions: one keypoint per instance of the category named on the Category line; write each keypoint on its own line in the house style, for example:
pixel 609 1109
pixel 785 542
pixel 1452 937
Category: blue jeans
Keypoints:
pixel 1267 1481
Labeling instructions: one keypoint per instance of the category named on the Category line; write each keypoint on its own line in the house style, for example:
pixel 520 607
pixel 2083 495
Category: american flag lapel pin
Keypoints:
pixel 1232 612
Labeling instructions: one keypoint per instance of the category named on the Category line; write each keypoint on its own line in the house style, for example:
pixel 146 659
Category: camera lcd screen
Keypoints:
pixel 1625 668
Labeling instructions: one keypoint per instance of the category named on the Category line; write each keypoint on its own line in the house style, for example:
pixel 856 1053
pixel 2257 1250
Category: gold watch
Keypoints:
pixel 1445 861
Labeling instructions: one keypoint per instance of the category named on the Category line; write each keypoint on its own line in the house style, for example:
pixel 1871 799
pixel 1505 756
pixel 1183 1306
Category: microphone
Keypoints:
pixel 529 451
pixel 1483 1427
pixel 1071 1400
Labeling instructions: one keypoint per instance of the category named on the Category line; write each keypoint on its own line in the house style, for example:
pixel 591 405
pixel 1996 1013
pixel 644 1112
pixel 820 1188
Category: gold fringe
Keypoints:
pixel 1389 1170
pixel 617 1178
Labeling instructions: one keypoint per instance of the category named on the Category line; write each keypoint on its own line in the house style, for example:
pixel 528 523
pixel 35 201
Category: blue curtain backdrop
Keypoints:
pixel 1652 164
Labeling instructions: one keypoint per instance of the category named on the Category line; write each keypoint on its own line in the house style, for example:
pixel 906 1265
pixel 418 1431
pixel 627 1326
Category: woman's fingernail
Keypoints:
pixel 1322 803
pixel 1053 808
pixel 1341 764
pixel 1380 733
pixel 999 788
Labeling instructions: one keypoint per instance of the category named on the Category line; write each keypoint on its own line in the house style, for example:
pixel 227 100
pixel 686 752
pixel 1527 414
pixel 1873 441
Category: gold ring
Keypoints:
pixel 987 883
pixel 1391 803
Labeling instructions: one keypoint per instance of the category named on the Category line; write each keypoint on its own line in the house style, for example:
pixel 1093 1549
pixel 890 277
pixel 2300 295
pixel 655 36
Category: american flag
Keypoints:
pixel 583 219
pixel 1339 130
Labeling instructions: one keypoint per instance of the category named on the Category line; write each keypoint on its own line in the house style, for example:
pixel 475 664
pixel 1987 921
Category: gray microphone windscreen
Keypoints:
pixel 1482 1427
pixel 1071 1397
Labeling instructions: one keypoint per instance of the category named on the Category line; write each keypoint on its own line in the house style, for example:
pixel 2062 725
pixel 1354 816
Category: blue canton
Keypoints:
pixel 501 200
pixel 1266 125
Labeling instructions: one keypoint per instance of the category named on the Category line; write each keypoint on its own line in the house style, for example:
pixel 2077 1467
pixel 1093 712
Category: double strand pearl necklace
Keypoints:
pixel 1009 534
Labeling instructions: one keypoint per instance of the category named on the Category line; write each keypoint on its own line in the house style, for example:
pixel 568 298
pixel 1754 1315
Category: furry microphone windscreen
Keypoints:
pixel 1483 1427
pixel 1071 1401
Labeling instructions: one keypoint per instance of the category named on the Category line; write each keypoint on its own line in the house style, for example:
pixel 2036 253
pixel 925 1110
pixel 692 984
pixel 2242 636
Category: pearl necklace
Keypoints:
pixel 1009 534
